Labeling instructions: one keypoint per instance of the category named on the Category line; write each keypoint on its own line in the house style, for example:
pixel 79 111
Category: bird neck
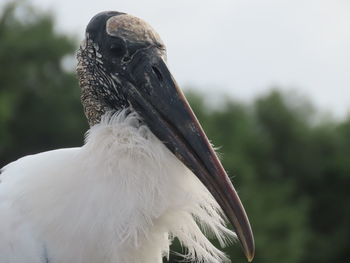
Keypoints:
pixel 94 107
pixel 99 92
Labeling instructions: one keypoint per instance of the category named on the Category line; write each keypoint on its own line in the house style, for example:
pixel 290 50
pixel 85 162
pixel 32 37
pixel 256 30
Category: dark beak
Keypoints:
pixel 154 94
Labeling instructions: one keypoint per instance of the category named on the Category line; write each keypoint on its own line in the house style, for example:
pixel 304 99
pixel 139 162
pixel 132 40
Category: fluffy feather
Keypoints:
pixel 122 197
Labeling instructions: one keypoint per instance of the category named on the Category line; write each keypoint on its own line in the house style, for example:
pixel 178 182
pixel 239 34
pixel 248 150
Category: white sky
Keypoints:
pixel 242 47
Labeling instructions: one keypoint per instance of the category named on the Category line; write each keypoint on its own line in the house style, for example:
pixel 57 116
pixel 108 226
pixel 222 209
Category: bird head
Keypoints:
pixel 122 64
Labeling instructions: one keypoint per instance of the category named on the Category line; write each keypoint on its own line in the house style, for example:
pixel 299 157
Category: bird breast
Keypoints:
pixel 122 197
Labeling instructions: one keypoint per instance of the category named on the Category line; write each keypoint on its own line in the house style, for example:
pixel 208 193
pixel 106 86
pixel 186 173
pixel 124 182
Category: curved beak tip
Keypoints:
pixel 250 255
pixel 248 246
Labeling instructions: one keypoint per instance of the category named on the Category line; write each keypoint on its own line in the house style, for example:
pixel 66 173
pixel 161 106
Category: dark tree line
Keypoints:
pixel 290 166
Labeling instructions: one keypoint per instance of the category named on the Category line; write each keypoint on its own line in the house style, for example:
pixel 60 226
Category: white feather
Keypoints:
pixel 122 197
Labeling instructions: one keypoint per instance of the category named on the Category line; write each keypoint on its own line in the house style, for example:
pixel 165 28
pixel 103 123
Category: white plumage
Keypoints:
pixel 120 198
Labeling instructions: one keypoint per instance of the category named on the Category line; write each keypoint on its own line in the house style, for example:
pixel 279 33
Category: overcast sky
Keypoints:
pixel 242 47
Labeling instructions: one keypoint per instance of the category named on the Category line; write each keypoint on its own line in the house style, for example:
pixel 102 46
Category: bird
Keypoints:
pixel 145 175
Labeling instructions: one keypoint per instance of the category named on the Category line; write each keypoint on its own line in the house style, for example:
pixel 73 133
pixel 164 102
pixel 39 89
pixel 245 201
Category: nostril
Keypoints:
pixel 158 74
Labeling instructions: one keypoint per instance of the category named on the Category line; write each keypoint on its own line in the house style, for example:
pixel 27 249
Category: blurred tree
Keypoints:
pixel 39 107
pixel 327 187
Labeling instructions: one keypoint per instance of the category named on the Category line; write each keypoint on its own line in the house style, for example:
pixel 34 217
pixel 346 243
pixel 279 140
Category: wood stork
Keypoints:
pixel 146 174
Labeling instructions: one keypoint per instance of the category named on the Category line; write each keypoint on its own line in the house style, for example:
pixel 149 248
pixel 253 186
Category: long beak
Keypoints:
pixel 154 94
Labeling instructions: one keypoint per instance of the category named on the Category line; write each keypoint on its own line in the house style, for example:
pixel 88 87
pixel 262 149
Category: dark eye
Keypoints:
pixel 117 50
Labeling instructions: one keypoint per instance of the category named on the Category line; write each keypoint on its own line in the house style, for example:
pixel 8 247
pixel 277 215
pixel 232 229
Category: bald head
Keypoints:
pixel 133 29
pixel 115 42
pixel 117 25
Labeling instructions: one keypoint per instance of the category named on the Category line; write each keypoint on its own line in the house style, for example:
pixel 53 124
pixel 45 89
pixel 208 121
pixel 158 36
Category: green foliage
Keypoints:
pixel 39 101
pixel 292 173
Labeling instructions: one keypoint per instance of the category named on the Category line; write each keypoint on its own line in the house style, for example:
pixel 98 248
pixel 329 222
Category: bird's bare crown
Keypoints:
pixel 133 29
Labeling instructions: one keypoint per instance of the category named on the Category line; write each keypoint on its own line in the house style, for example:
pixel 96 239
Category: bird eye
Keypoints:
pixel 117 50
